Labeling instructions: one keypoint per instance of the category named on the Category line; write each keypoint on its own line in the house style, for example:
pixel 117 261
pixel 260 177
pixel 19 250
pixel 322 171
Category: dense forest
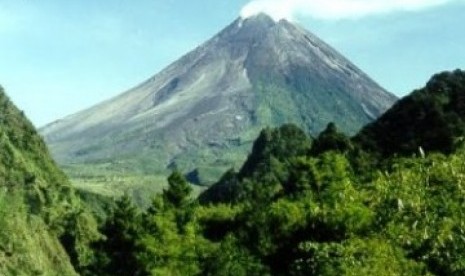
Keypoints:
pixel 388 201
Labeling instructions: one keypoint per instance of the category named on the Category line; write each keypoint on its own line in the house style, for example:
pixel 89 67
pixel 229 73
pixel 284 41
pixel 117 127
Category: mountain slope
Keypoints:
pixel 37 204
pixel 205 109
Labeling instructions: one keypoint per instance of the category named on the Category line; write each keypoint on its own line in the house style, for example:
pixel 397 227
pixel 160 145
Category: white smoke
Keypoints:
pixel 334 9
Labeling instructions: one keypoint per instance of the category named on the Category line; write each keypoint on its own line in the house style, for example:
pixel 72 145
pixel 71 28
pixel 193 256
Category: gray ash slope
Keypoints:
pixel 204 110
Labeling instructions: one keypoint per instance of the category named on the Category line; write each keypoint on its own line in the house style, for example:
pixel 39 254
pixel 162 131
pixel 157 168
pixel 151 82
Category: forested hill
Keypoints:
pixel 432 118
pixel 308 206
pixel 44 229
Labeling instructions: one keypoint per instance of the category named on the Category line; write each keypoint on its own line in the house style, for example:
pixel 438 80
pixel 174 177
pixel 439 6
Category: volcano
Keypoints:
pixel 202 113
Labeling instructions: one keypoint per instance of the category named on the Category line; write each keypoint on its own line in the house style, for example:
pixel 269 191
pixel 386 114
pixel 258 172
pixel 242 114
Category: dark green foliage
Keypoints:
pixel 115 254
pixel 225 190
pixel 232 259
pixel 281 143
pixel 431 118
pixel 79 232
pixel 331 139
pixel 178 190
pixel 271 154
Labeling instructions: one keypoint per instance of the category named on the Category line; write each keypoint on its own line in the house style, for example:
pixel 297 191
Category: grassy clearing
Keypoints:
pixel 112 185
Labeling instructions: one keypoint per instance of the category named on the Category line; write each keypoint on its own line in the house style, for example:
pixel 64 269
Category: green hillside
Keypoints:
pixel 44 229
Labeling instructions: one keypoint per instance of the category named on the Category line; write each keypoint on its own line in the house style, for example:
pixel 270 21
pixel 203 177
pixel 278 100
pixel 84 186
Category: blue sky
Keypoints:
pixel 58 57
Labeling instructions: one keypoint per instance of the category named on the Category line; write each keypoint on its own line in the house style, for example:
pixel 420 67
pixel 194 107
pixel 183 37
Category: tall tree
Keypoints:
pixel 178 192
pixel 116 254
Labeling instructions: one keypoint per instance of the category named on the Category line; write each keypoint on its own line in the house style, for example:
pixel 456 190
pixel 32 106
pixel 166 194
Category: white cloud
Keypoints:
pixel 334 9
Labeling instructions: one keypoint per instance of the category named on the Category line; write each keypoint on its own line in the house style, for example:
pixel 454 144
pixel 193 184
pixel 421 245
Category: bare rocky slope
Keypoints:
pixel 202 112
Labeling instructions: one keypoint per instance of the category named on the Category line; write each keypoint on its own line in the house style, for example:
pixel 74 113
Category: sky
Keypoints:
pixel 59 57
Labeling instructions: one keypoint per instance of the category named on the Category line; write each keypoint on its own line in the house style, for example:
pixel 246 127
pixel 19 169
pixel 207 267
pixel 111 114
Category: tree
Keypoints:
pixel 331 139
pixel 172 242
pixel 281 144
pixel 116 255
pixel 178 192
